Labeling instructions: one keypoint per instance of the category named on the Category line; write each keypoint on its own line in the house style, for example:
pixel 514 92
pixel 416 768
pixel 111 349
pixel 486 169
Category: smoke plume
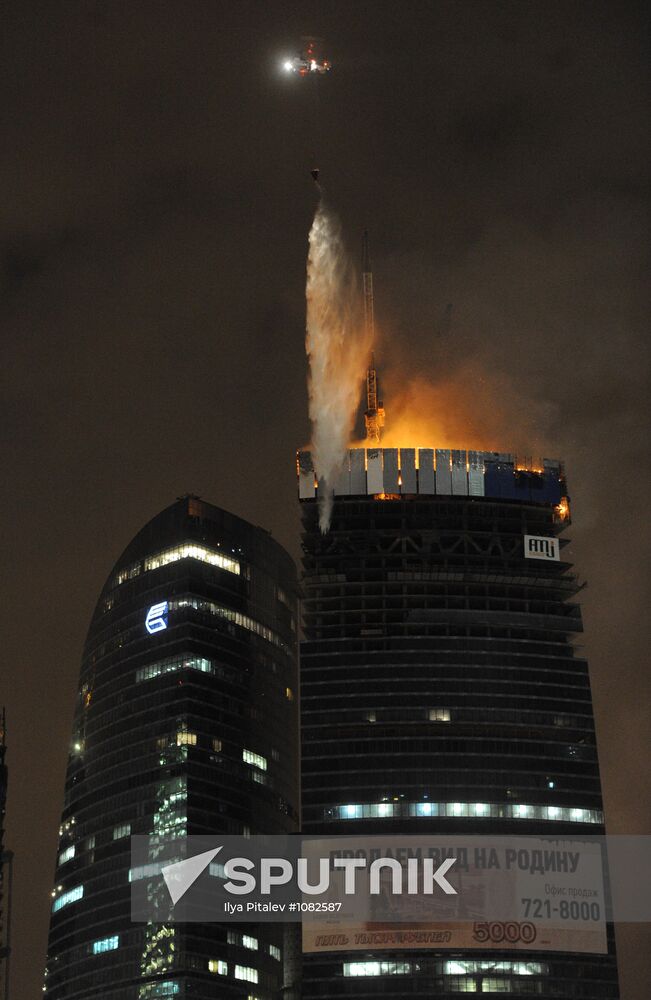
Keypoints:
pixel 337 348
pixel 470 406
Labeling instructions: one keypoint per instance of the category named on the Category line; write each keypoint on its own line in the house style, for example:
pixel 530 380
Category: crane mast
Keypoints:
pixel 374 413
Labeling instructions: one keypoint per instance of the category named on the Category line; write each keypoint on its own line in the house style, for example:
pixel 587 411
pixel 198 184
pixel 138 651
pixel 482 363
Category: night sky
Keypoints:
pixel 155 203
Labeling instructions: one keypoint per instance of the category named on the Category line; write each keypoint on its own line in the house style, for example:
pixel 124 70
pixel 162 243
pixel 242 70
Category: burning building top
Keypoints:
pixel 394 473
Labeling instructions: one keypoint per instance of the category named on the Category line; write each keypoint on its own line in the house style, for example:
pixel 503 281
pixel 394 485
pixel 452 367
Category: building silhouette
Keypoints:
pixel 185 723
pixel 442 690
pixel 6 863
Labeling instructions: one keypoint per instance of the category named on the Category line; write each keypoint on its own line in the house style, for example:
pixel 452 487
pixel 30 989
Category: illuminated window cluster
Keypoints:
pixel 167 988
pixel 216 965
pixel 106 944
pixel 462 968
pixel 148 870
pixel 186 551
pixel 66 855
pixel 246 973
pixel 379 968
pixel 487 984
pixel 171 815
pixel 491 810
pixel 236 617
pixel 439 715
pixel 242 940
pixel 71 896
pixel 172 665
pixel 67 826
pixel 159 947
pixel 256 759
pixel 123 830
pixel 184 738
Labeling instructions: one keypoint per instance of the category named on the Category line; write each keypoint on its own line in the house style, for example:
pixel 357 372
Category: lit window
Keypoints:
pixel 67 854
pixel 174 664
pixel 493 810
pixel 217 746
pixel 167 556
pixel 216 965
pixel 495 985
pixel 439 715
pixel 123 830
pixel 188 551
pixel 371 717
pixel 289 694
pixel 275 952
pixel 146 871
pixel 250 942
pixel 236 617
pixel 67 826
pixel 168 988
pixel 71 896
pixel 246 973
pixel 379 968
pixel 184 738
pixel 105 944
pixel 256 759
pixel 461 967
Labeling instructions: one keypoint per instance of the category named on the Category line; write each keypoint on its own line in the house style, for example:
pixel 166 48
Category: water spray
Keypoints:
pixel 337 345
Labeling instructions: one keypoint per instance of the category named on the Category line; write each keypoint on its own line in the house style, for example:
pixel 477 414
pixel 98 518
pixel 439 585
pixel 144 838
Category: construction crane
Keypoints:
pixel 374 413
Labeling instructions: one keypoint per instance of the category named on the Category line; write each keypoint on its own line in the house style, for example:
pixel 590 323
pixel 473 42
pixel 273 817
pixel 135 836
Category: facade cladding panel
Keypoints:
pixel 185 725
pixel 439 675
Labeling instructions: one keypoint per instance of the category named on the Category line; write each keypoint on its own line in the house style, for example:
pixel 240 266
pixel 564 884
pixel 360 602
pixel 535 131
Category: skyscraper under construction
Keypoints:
pixel 186 723
pixel 442 691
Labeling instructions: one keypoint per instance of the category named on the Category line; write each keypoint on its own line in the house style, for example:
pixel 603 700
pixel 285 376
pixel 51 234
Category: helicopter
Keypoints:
pixel 308 60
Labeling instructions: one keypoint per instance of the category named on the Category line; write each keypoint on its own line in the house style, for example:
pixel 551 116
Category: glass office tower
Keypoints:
pixel 186 722
pixel 442 689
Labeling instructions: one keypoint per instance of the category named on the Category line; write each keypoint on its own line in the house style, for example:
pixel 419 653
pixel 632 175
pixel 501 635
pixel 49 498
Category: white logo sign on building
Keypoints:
pixel 541 547
pixel 156 619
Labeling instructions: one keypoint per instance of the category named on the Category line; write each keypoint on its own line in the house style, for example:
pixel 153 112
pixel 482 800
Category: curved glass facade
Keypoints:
pixel 185 722
pixel 442 690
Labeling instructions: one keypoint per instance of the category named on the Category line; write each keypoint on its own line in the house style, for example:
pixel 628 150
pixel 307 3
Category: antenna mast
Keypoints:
pixel 374 414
